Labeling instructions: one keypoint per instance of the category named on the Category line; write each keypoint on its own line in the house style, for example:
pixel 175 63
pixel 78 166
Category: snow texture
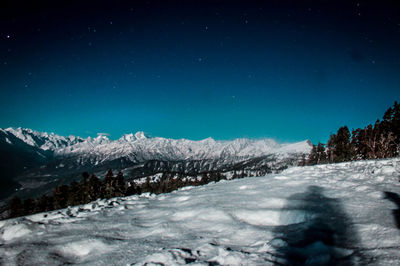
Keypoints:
pixel 338 214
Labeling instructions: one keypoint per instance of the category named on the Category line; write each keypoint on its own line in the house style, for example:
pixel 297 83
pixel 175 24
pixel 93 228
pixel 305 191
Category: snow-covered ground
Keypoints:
pixel 322 215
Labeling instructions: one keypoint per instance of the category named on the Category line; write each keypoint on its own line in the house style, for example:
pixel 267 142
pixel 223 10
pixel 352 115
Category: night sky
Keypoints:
pixel 290 70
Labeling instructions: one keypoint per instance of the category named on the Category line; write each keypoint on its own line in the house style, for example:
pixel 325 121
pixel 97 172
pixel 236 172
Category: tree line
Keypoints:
pixel 91 188
pixel 381 140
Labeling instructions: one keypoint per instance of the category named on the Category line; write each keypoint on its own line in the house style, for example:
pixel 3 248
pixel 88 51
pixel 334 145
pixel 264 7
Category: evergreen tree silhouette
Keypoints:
pixel 60 197
pixel 44 203
pixel 119 185
pixel 84 188
pixel 313 156
pixel 108 185
pixel 94 188
pixel 16 208
pixel 339 146
pixel 75 194
pixel 29 206
pixel 321 154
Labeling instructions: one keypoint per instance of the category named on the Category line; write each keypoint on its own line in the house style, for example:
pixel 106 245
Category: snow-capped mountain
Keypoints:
pixel 138 147
pixel 58 158
pixel 44 141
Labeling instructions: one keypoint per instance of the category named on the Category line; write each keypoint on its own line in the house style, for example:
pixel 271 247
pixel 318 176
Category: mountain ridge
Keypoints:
pixel 42 160
pixel 75 144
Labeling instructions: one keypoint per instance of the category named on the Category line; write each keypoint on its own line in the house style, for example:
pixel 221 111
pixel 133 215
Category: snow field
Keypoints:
pixel 307 215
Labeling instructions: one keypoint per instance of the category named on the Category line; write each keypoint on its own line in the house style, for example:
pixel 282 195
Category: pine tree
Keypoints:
pixel 303 160
pixel 60 196
pixel 331 146
pixel 313 156
pixel 119 185
pixel 146 187
pixel 16 208
pixel 94 188
pixel 339 146
pixel 321 154
pixel 85 178
pixel 108 185
pixel 29 206
pixel 84 188
pixel 391 131
pixel 131 189
pixel 317 155
pixel 371 141
pixel 75 194
pixel 358 141
pixel 43 204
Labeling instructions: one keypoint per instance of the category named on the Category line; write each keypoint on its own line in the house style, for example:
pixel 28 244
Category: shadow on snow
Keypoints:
pixel 322 233
pixel 395 198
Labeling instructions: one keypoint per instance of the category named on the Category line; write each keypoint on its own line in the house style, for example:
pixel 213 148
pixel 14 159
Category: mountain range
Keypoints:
pixel 34 162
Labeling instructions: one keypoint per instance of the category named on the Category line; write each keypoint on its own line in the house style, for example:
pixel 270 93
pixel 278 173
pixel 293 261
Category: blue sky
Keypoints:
pixel 250 69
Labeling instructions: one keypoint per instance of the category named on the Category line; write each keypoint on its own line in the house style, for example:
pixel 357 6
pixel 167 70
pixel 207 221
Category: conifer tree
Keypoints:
pixel 358 141
pixel 119 185
pixel 371 141
pixel 16 208
pixel 391 128
pixel 331 146
pixel 43 204
pixel 303 160
pixel 131 190
pixel 29 206
pixel 94 188
pixel 321 154
pixel 108 185
pixel 75 194
pixel 60 196
pixel 313 156
pixel 84 188
pixel 339 146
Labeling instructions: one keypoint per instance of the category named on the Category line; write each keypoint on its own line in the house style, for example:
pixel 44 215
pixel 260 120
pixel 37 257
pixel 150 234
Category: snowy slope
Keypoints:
pixel 329 214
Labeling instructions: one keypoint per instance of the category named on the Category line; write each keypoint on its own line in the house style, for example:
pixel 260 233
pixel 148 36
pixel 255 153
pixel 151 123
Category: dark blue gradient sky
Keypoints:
pixel 290 70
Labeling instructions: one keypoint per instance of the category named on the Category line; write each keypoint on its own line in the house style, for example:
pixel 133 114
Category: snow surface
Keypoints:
pixel 321 215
